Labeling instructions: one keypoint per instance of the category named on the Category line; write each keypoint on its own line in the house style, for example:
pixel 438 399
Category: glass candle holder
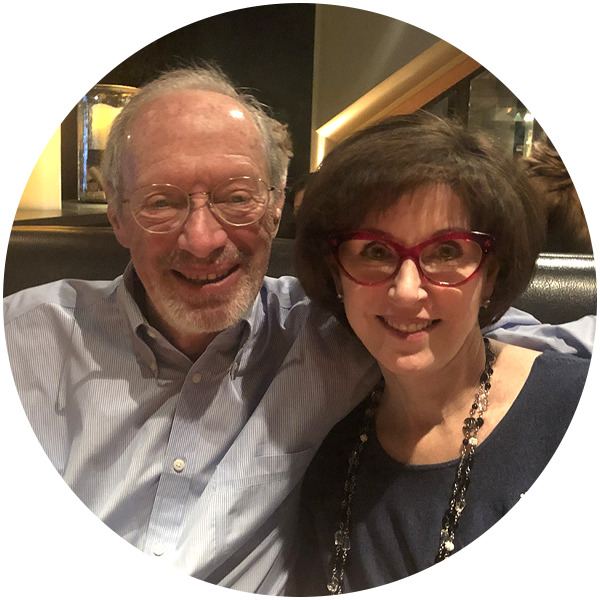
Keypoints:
pixel 95 113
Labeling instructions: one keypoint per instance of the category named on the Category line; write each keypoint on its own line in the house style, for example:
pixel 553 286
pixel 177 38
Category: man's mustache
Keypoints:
pixel 221 256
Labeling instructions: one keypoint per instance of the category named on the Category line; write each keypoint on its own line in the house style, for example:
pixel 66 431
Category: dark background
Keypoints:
pixel 268 49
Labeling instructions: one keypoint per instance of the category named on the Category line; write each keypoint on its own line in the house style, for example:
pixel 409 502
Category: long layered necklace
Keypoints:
pixel 471 426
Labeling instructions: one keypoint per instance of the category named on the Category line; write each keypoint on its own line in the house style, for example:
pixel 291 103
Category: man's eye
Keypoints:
pixel 239 198
pixel 158 202
pixel 161 202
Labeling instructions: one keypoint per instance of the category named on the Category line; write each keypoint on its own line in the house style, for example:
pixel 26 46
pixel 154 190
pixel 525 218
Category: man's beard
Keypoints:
pixel 212 313
pixel 221 313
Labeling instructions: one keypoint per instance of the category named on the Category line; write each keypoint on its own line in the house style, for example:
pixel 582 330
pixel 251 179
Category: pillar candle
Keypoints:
pixel 102 117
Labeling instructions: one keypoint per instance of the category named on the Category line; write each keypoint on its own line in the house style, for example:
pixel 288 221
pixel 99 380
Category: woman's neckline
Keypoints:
pixel 496 431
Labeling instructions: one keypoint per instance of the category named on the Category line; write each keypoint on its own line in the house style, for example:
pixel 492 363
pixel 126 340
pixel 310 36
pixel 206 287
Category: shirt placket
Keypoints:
pixel 172 495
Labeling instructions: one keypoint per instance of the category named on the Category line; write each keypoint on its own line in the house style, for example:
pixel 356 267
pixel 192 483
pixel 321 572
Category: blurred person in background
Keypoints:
pixel 566 227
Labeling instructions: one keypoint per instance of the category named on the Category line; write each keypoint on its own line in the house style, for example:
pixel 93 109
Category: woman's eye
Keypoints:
pixel 447 251
pixel 376 251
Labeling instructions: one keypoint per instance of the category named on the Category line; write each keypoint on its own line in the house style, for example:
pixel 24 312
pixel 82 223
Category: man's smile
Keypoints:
pixel 207 278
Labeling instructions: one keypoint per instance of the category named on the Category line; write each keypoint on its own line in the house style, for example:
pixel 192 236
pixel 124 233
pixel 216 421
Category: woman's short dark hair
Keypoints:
pixel 368 172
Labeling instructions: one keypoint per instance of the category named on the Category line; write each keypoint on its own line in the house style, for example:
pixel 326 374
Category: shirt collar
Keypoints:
pixel 131 296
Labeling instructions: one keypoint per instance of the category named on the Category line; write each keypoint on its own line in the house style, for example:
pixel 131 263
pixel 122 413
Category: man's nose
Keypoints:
pixel 407 286
pixel 202 233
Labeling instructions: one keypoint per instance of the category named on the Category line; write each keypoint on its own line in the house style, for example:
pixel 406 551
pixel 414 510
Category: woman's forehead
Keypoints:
pixel 434 206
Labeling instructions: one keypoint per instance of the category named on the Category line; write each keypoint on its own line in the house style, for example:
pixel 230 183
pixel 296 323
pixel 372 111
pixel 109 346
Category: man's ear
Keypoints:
pixel 275 214
pixel 116 220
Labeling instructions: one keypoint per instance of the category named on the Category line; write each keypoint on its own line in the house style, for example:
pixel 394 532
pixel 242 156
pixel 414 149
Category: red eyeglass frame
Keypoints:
pixel 485 241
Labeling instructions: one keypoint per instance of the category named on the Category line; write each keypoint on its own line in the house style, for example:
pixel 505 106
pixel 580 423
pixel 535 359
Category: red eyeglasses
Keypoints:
pixel 449 259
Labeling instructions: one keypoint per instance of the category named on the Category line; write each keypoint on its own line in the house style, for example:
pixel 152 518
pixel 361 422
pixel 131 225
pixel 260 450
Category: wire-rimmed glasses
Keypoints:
pixel 449 259
pixel 163 208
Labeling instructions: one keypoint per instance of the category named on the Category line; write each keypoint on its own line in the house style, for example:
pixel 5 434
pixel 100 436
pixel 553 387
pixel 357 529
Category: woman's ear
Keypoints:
pixel 491 272
pixel 335 275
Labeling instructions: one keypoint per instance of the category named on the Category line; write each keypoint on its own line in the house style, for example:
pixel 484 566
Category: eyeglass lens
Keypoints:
pixel 162 208
pixel 374 261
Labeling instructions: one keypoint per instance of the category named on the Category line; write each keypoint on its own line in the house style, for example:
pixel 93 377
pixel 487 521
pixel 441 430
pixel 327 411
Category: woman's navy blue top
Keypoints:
pixel 397 509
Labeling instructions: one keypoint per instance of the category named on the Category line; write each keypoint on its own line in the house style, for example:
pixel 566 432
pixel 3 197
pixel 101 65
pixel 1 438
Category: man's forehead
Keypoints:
pixel 181 134
pixel 191 110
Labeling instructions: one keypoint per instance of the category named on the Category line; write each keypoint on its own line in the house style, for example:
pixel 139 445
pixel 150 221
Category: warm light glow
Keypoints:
pixel 335 123
pixel 528 118
pixel 31 131
pixel 328 129
pixel 559 105
pixel 102 117
pixel 320 150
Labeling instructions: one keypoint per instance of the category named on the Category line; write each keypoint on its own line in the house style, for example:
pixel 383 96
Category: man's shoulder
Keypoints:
pixel 287 290
pixel 65 295
pixel 287 298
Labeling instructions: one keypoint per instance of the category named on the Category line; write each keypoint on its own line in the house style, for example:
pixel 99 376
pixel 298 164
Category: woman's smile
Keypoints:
pixel 409 327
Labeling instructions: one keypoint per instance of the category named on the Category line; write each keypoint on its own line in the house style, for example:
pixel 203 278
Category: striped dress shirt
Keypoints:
pixel 131 470
pixel 197 464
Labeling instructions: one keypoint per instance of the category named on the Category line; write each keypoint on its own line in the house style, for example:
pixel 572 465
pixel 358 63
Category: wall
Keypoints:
pixel 268 49
pixel 354 51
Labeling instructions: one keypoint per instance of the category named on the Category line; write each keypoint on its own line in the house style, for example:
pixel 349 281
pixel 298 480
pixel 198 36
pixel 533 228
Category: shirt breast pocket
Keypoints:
pixel 258 499
pixel 264 470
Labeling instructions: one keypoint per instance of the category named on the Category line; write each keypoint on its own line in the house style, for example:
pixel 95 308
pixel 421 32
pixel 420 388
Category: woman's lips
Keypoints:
pixel 409 327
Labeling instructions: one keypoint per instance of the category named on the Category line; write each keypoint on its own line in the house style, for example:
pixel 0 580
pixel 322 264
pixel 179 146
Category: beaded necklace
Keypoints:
pixel 471 426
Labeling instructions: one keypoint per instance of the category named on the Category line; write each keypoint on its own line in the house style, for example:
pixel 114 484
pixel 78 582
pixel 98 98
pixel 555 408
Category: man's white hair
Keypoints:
pixel 276 138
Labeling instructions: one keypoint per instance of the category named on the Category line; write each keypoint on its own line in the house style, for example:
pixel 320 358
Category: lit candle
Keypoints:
pixel 31 143
pixel 102 117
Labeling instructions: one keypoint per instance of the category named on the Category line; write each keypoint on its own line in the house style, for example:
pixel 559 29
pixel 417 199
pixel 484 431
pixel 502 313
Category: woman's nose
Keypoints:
pixel 407 285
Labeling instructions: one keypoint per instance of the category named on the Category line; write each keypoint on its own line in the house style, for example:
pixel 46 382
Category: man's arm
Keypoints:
pixel 521 329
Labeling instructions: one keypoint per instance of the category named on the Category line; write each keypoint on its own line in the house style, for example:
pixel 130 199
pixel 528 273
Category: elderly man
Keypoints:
pixel 183 402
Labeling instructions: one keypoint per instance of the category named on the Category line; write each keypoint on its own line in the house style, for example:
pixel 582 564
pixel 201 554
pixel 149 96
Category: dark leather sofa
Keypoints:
pixel 563 288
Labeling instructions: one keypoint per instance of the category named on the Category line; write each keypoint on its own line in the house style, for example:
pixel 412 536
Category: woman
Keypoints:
pixel 429 234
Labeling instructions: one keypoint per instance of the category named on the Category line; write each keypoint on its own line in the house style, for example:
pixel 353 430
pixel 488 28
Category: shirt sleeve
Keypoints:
pixel 522 329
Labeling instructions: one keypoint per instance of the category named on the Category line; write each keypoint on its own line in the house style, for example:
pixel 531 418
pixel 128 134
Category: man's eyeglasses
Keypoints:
pixel 162 208
pixel 448 260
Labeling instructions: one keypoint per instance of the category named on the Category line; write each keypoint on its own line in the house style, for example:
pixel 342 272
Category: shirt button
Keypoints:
pixel 158 549
pixel 154 367
pixel 196 377
pixel 151 334
pixel 178 465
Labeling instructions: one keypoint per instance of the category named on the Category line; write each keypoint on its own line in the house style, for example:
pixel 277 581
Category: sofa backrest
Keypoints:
pixel 563 288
